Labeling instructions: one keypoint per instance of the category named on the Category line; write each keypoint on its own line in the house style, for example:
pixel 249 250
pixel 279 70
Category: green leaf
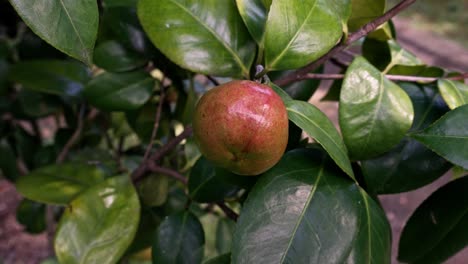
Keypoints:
pixel 301 90
pixel 441 220
pixel 51 76
pixel 298 32
pixel 4 68
pixel 279 91
pixel 58 184
pixel 448 136
pixel 224 233
pixel 179 239
pixel 454 93
pixel 304 211
pixel 99 225
pixel 35 104
pixel 410 164
pixel 120 91
pixel 208 183
pixel 70 26
pixel 118 3
pixel 113 56
pixel 374 112
pixel 255 13
pixel 153 189
pixel 364 11
pixel 8 167
pixel 317 125
pixel 32 216
pixel 222 259
pixel 202 36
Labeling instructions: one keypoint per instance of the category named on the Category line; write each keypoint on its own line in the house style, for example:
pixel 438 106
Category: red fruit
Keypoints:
pixel 241 126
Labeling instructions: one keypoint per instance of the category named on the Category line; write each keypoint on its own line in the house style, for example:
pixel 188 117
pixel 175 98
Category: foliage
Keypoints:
pixel 120 172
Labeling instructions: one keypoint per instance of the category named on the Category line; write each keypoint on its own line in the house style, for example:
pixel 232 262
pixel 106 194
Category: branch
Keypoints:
pixel 404 78
pixel 363 31
pixel 73 139
pixel 228 211
pixel 157 120
pixel 167 171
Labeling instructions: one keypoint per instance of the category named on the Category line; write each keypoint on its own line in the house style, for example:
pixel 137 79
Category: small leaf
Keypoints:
pixel 317 125
pixel 454 93
pixel 99 225
pixel 51 76
pixel 208 183
pixel 58 184
pixel 304 211
pixel 298 32
pixel 120 91
pixel 254 13
pixel 364 11
pixel 448 136
pixel 70 26
pixel 374 112
pixel 179 239
pixel 113 56
pixel 32 216
pixel 442 220
pixel 202 36
pixel 224 232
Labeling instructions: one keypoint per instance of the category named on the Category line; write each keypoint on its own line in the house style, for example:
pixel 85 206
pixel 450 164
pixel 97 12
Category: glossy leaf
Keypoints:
pixel 51 76
pixel 454 93
pixel 442 220
pixel 99 225
pixel 448 136
pixel 364 11
pixel 59 184
pixel 305 211
pixel 70 26
pixel 410 164
pixel 208 183
pixel 202 36
pixel 120 91
pixel 224 232
pixel 317 125
pixel 279 91
pixel 255 14
pixel 401 56
pixel 374 112
pixel 179 239
pixel 298 32
pixel 113 56
pixel 32 216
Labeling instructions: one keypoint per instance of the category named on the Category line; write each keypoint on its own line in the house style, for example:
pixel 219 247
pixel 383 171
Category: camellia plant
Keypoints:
pixel 99 101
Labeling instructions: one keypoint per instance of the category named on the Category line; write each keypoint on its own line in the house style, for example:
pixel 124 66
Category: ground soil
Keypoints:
pixel 18 247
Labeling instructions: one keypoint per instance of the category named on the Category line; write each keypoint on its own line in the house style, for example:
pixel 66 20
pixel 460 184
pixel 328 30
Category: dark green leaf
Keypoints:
pixel 149 222
pixel 302 90
pixel 442 220
pixel 179 239
pixel 448 136
pixel 153 189
pixel 4 66
pixel 305 211
pixel 208 183
pixel 454 93
pixel 375 113
pixel 32 216
pixel 317 125
pixel 70 26
pixel 120 91
pixel 255 13
pixel 364 11
pixel 224 233
pixel 113 56
pixel 282 93
pixel 202 36
pixel 142 122
pixel 116 3
pixel 51 76
pixel 32 104
pixel 298 32
pixel 377 52
pixel 58 184
pixel 223 259
pixel 99 225
pixel 410 164
pixel 8 167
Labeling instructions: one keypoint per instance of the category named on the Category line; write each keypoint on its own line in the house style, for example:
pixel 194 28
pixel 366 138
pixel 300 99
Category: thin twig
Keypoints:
pixel 404 78
pixel 157 120
pixel 212 80
pixel 228 211
pixel 73 139
pixel 363 31
pixel 169 172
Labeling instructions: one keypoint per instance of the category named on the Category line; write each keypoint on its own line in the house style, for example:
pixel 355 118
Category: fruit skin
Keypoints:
pixel 241 126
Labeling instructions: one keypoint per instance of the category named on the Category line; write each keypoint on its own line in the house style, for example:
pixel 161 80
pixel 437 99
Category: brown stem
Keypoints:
pixel 228 211
pixel 404 78
pixel 73 139
pixel 169 172
pixel 363 31
pixel 212 80
pixel 157 120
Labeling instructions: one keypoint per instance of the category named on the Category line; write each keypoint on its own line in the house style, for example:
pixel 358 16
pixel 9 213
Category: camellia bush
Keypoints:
pixel 175 129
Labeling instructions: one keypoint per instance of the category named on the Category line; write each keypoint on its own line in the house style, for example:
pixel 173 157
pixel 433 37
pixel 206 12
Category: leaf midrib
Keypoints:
pixel 76 31
pixel 378 106
pixel 245 71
